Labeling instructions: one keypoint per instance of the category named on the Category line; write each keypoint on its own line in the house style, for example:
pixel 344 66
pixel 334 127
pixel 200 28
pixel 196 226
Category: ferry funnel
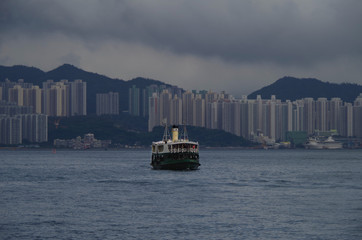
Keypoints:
pixel 174 133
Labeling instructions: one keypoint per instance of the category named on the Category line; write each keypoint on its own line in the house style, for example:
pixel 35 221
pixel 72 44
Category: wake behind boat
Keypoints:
pixel 176 153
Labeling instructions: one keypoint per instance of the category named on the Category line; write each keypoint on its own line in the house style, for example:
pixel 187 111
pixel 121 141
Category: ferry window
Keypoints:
pixel 160 148
pixel 153 148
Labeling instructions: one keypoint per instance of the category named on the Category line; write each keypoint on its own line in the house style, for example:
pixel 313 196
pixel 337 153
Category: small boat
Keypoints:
pixel 329 143
pixel 176 153
pixel 313 143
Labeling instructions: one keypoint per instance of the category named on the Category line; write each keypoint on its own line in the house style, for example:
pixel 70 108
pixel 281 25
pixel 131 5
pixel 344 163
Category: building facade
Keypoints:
pixel 107 103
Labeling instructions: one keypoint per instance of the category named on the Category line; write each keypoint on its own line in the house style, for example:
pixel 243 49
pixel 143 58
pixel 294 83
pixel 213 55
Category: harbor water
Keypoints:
pixel 235 194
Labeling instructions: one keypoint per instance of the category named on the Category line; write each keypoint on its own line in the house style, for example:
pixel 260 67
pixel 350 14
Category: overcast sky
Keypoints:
pixel 238 46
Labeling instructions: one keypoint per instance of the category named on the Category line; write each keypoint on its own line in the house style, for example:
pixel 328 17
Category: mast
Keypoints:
pixel 186 137
pixel 166 134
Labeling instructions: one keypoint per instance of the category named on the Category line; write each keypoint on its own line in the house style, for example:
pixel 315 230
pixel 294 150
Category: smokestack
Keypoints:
pixel 174 133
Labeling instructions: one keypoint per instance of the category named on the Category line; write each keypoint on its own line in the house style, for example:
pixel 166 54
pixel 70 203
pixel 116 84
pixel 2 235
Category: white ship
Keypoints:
pixel 329 143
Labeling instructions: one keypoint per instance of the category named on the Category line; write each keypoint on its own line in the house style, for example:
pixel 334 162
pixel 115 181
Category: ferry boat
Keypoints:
pixel 176 153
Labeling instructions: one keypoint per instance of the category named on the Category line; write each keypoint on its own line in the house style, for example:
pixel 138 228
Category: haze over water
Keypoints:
pixel 236 194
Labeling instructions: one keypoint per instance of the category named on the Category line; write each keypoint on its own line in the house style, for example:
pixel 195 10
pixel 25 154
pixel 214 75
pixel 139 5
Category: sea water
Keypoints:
pixel 236 194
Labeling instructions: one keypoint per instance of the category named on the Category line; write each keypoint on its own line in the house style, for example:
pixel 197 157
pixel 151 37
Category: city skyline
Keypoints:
pixel 244 117
pixel 249 118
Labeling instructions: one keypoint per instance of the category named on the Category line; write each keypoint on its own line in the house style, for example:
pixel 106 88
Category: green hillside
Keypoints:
pixel 129 130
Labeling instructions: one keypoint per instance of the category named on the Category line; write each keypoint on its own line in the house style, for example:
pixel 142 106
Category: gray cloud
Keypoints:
pixel 71 58
pixel 278 36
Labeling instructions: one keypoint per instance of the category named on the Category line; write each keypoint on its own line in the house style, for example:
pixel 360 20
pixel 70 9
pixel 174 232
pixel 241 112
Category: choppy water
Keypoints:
pixel 236 194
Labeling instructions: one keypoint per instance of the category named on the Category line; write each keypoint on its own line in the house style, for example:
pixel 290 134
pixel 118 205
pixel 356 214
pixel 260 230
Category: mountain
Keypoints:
pixel 22 72
pixel 96 83
pixel 290 88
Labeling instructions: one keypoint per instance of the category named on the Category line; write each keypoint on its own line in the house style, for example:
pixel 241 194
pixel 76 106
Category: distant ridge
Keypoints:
pixel 96 83
pixel 290 88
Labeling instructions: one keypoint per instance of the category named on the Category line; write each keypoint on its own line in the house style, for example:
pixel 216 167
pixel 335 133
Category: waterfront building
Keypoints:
pixel 78 143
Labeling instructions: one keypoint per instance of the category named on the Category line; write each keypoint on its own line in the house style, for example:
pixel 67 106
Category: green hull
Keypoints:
pixel 175 161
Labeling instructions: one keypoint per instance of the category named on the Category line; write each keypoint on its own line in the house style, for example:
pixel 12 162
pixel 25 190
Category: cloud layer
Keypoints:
pixel 236 46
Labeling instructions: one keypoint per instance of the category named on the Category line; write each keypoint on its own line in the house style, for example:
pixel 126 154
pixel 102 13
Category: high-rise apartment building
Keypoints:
pixel 321 114
pixel 5 86
pixel 10 129
pixel 65 98
pixel 134 101
pixel 176 111
pixel 165 106
pixel 33 97
pixel 154 112
pixel 35 127
pixel 334 108
pixel 199 110
pixel 78 98
pixel 357 117
pixel 18 123
pixel 187 108
pixel 107 103
pixel 16 94
pixel 56 98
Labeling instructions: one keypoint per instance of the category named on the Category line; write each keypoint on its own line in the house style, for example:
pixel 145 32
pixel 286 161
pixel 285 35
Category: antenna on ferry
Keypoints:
pixel 166 134
pixel 186 137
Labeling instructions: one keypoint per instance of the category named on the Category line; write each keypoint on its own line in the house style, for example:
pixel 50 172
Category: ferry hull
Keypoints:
pixel 170 163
